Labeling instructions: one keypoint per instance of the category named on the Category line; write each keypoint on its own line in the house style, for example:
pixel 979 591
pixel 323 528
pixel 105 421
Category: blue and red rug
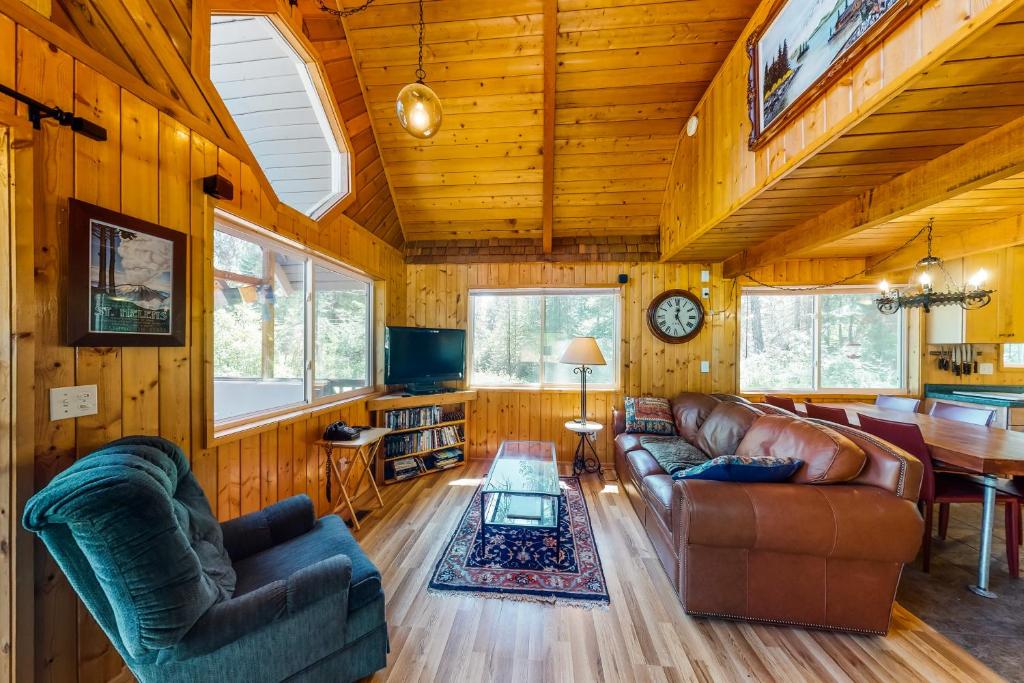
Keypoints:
pixel 523 563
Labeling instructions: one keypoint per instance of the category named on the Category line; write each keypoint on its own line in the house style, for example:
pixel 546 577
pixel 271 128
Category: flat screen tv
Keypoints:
pixel 420 357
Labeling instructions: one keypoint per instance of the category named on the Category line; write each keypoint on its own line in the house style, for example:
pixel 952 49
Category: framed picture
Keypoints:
pixel 126 280
pixel 803 47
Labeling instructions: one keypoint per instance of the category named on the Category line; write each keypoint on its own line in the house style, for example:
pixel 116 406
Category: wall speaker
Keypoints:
pixel 218 187
pixel 623 278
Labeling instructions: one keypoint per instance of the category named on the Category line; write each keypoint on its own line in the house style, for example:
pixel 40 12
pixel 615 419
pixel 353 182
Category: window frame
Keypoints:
pixel 615 363
pixel 228 223
pixel 903 356
pixel 1003 363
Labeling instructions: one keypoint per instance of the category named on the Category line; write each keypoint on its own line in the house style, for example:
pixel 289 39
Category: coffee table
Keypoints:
pixel 522 488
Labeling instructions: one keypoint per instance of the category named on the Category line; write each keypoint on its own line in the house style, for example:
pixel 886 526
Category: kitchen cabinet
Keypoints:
pixel 982 324
pixel 1002 321
pixel 1010 296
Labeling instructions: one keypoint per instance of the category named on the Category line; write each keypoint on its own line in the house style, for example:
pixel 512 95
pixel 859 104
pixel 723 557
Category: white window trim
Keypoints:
pixel 1002 357
pixel 904 356
pixel 233 225
pixel 615 363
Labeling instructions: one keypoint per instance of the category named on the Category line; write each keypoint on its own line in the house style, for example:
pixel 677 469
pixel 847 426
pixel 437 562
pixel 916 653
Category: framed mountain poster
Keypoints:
pixel 126 280
pixel 803 47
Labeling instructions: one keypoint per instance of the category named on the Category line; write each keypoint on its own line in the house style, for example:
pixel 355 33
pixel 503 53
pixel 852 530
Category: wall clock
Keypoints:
pixel 675 316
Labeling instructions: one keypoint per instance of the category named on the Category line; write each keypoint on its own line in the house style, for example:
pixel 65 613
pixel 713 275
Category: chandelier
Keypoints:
pixel 970 296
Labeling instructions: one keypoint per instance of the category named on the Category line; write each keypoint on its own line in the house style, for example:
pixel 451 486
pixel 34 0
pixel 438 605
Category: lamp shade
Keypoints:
pixel 582 351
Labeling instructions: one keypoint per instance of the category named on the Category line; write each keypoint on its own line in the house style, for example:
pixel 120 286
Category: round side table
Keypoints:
pixel 582 461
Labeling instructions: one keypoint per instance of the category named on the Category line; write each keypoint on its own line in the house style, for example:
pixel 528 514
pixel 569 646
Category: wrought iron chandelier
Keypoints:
pixel 970 296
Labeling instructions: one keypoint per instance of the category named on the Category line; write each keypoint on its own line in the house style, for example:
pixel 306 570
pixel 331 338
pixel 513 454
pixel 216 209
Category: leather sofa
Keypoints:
pixel 824 549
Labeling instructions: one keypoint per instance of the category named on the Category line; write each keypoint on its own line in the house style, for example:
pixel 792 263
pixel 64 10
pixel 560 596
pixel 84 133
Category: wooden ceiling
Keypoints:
pixel 627 75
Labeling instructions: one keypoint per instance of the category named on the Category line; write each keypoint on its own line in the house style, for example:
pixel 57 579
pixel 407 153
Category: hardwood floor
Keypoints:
pixel 643 636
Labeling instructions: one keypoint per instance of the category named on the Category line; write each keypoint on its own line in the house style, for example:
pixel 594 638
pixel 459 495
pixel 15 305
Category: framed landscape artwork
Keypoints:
pixel 803 46
pixel 126 284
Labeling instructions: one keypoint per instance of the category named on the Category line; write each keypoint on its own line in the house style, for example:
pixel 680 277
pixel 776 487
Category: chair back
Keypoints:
pixel 781 402
pixel 901 403
pixel 827 413
pixel 905 435
pixel 950 411
pixel 134 533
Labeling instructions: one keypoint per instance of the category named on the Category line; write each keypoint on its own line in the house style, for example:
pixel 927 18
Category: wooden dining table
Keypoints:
pixel 986 451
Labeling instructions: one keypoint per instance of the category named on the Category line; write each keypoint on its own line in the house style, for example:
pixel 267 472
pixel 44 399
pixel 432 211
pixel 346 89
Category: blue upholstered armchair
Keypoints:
pixel 272 596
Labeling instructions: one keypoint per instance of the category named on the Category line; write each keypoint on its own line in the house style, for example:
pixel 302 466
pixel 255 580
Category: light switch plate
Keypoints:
pixel 986 369
pixel 705 366
pixel 705 276
pixel 68 402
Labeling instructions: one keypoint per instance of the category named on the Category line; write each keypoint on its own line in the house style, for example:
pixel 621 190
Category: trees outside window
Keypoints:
pixel 829 341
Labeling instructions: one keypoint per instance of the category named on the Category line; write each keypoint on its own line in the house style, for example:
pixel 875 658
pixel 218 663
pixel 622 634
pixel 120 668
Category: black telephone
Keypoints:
pixel 339 431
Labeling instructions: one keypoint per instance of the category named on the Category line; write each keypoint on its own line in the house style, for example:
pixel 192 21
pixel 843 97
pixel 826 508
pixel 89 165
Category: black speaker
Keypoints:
pixel 623 278
pixel 218 187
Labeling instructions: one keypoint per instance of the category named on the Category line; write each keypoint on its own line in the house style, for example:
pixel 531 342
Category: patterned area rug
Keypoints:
pixel 523 563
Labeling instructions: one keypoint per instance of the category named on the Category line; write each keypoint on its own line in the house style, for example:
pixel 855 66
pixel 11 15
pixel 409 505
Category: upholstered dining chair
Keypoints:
pixel 944 488
pixel 827 413
pixel 781 402
pixel 274 595
pixel 951 411
pixel 901 403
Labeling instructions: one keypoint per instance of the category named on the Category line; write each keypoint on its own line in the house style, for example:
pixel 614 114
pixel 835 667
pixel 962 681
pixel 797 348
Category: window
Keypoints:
pixel 828 341
pixel 289 327
pixel 1013 355
pixel 518 335
pixel 273 98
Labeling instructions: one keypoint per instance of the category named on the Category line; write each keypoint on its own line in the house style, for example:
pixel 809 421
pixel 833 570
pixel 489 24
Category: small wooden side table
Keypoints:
pixel 582 462
pixel 364 450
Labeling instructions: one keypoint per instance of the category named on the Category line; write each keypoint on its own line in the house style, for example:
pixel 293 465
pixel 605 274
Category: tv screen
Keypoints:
pixel 422 355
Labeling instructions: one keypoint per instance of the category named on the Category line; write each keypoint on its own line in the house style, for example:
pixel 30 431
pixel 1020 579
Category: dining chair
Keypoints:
pixel 781 402
pixel 827 413
pixel 944 488
pixel 900 403
pixel 951 411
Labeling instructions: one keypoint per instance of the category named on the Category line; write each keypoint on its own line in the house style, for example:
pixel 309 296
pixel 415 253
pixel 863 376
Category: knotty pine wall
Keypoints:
pixel 150 167
pixel 438 294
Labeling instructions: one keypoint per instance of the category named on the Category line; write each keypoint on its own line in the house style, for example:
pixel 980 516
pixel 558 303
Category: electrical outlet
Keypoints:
pixel 705 292
pixel 705 366
pixel 67 402
pixel 986 369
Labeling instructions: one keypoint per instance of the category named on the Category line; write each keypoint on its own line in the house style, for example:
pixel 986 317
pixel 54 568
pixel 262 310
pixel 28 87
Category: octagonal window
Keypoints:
pixel 272 95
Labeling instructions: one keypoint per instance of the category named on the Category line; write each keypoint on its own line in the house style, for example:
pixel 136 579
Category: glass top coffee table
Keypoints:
pixel 522 487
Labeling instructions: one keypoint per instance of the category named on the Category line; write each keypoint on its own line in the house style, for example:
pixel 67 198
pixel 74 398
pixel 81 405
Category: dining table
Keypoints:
pixel 989 452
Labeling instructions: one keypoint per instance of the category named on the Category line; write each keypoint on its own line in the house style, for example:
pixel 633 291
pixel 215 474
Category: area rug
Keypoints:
pixel 523 563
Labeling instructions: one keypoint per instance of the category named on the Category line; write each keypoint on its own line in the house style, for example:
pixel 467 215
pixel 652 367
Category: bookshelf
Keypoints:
pixel 426 432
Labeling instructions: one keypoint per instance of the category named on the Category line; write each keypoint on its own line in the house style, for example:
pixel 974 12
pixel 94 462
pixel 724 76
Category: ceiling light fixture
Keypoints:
pixel 418 107
pixel 970 296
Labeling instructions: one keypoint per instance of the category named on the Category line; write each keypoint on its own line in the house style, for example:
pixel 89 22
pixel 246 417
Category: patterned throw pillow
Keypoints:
pixel 649 415
pixel 741 468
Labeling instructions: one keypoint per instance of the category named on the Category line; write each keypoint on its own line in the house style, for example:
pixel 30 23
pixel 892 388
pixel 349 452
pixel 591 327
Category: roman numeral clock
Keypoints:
pixel 675 316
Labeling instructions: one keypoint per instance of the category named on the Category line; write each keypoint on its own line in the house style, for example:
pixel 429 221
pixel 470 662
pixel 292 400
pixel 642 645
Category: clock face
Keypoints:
pixel 675 316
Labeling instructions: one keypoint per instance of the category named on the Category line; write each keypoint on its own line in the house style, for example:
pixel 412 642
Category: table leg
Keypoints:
pixel 985 551
pixel 343 489
pixel 595 464
pixel 368 462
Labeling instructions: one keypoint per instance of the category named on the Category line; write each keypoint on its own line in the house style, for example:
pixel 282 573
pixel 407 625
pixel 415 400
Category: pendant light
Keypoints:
pixel 418 107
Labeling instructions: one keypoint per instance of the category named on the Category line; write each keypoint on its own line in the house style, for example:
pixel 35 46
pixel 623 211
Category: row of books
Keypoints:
pixel 413 417
pixel 406 468
pixel 414 442
pixel 440 460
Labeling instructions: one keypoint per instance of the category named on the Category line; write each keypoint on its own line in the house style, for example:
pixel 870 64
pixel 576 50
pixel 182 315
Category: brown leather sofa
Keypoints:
pixel 824 549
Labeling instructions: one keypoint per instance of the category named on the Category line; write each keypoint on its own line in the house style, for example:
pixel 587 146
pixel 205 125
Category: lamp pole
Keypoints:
pixel 583 371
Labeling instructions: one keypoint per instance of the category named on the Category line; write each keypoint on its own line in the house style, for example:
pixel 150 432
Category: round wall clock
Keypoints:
pixel 675 316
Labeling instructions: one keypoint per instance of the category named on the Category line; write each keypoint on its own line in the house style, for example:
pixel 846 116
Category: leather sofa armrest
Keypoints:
pixel 840 521
pixel 263 529
pixel 618 421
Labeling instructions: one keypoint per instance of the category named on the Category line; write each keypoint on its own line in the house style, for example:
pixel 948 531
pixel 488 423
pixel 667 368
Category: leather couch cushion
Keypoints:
pixel 828 456
pixel 643 463
pixel 658 492
pixel 690 410
pixel 724 428
pixel 628 442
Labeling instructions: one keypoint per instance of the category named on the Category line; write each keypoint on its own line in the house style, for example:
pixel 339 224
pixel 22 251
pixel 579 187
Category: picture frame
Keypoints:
pixel 126 280
pixel 829 37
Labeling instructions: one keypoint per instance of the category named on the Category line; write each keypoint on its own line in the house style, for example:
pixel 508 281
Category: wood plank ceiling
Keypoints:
pixel 980 88
pixel 628 74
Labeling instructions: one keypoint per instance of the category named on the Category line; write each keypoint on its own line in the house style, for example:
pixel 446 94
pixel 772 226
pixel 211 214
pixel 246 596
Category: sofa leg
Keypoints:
pixel 926 542
pixel 943 520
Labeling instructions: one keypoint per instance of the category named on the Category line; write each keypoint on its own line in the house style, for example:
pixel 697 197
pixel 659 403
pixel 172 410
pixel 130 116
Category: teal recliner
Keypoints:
pixel 276 595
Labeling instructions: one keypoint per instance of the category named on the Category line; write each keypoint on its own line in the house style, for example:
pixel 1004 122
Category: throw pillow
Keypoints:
pixel 740 468
pixel 649 415
pixel 673 453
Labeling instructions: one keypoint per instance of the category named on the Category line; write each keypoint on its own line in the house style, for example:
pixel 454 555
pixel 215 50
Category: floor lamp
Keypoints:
pixel 582 352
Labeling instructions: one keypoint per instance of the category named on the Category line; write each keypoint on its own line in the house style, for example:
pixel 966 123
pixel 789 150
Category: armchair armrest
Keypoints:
pixel 840 521
pixel 257 531
pixel 231 620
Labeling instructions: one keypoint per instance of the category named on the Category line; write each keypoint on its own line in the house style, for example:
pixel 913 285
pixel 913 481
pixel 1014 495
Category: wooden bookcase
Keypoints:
pixel 381 405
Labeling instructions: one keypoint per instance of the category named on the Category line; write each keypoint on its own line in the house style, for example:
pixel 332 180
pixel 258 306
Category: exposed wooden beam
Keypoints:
pixel 550 64
pixel 1008 232
pixel 994 156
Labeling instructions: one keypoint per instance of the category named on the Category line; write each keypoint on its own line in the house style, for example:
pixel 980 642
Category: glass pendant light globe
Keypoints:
pixel 419 110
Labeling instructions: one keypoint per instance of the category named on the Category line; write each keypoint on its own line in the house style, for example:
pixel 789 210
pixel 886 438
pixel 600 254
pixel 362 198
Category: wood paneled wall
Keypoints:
pixel 150 167
pixel 439 295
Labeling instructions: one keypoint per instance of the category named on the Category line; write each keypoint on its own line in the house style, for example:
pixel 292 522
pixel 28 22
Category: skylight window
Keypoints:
pixel 270 92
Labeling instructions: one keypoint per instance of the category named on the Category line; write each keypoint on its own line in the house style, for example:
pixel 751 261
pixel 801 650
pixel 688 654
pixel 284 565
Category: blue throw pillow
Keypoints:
pixel 741 468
